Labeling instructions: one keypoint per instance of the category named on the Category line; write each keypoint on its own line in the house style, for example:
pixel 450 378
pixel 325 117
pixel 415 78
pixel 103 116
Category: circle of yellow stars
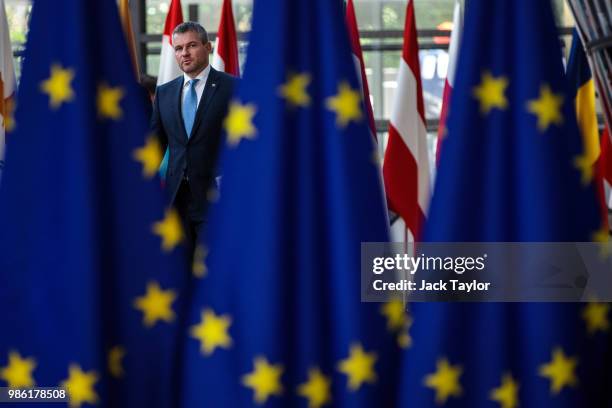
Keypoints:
pixel 212 331
pixel 58 87
pixel 265 379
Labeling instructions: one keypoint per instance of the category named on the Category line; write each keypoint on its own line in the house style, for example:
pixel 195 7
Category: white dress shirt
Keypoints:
pixel 199 88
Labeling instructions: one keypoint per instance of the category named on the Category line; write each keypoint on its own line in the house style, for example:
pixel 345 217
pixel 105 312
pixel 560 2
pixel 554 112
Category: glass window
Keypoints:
pixel 208 14
pixel 18 15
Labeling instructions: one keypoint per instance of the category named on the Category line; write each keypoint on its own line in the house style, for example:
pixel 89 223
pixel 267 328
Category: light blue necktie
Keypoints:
pixel 190 105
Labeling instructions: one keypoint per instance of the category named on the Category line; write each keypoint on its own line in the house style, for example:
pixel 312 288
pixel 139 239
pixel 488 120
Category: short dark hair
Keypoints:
pixel 194 27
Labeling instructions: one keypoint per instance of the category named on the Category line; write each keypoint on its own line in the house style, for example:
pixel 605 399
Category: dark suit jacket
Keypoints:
pixel 194 158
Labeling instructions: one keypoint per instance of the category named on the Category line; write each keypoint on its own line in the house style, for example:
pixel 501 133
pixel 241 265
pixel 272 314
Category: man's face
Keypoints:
pixel 191 55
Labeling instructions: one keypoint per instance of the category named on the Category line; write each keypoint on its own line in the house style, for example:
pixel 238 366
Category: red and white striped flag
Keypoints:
pixel 406 164
pixel 453 55
pixel 351 23
pixel 168 68
pixel 7 79
pixel 225 57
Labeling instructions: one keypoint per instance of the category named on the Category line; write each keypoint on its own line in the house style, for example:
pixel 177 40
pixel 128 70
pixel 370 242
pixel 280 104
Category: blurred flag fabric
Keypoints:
pixel 353 30
pixel 606 162
pixel 126 24
pixel 225 56
pixel 168 68
pixel 449 83
pixel 406 164
pixel 582 92
pixel 91 273
pixel 7 81
pixel 278 318
pixel 507 174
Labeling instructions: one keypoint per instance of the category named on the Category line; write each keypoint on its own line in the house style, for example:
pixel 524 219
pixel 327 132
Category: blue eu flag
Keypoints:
pixel 90 263
pixel 278 318
pixel 508 173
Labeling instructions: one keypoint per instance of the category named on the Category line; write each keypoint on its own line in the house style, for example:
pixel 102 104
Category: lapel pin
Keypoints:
pixel 213 85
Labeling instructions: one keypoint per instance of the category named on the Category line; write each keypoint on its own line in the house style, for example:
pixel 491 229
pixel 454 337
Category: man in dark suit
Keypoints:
pixel 188 115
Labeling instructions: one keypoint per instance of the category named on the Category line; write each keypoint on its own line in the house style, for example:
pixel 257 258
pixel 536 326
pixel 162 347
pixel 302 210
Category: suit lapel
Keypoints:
pixel 209 91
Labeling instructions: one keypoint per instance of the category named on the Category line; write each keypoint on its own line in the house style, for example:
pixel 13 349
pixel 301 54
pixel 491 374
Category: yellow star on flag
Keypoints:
pixel 170 230
pixel 547 108
pixel 58 86
pixel 156 304
pixel 199 261
pixel 346 105
pixel 80 386
pixel 264 380
pixel 212 332
pixel 445 381
pixel 585 165
pixel 602 236
pixel 115 358
pixel 239 123
pixel 109 101
pixel 317 390
pixel 491 92
pixel 596 317
pixel 507 393
pixel 403 338
pixel 294 90
pixel 358 367
pixel 150 156
pixel 561 371
pixel 18 372
pixel 396 314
